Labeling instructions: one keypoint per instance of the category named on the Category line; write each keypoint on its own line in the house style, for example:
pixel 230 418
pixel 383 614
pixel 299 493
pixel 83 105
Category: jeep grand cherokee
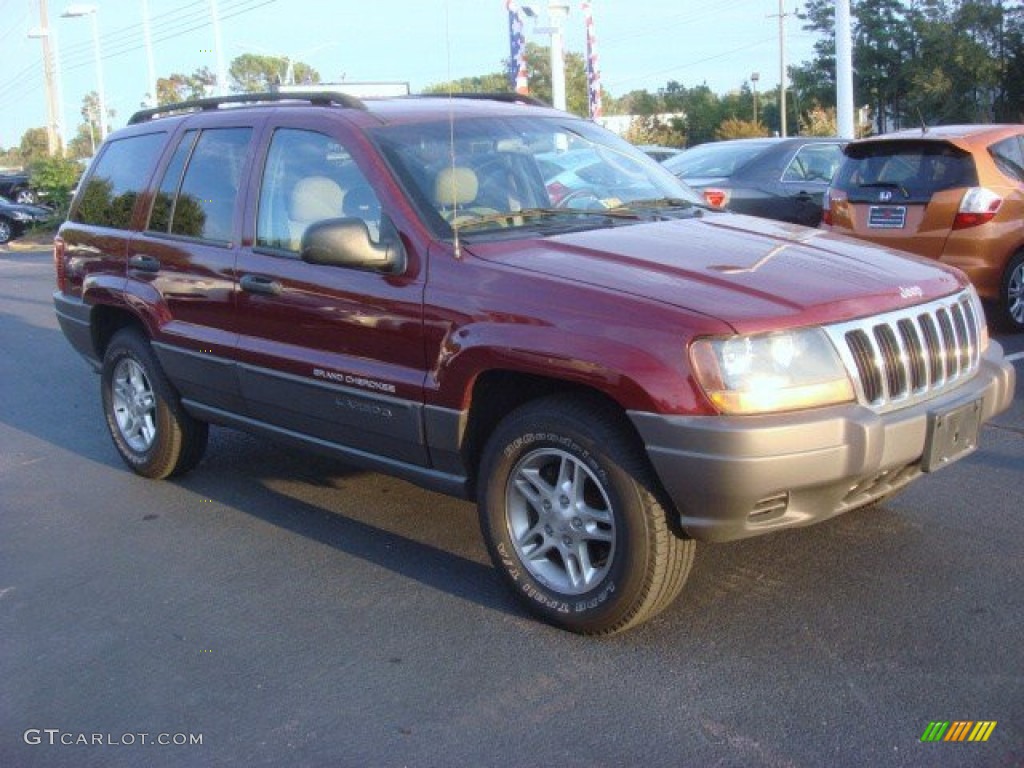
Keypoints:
pixel 612 377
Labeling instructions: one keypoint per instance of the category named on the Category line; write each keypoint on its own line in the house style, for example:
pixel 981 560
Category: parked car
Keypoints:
pixel 953 193
pixel 580 177
pixel 16 219
pixel 17 187
pixel 782 179
pixel 390 283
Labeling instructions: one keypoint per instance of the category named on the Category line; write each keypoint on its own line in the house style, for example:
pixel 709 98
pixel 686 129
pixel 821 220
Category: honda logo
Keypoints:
pixel 884 196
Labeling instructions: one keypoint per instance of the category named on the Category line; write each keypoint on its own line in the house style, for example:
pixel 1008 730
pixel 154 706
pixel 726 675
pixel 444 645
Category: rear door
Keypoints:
pixel 330 352
pixel 185 257
pixel 904 194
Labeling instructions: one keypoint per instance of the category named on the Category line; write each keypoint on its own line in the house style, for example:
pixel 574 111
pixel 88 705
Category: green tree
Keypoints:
pixel 34 146
pixel 179 87
pixel 494 82
pixel 253 73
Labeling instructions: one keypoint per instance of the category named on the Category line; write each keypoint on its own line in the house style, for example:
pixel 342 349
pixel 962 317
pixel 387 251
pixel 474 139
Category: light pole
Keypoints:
pixel 75 12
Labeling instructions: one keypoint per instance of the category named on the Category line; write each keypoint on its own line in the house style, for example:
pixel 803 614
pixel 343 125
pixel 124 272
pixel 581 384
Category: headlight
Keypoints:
pixel 771 372
pixel 21 216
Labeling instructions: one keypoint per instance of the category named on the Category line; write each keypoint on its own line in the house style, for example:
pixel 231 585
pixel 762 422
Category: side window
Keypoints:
pixel 309 177
pixel 201 203
pixel 163 205
pixel 120 176
pixel 1009 156
pixel 814 162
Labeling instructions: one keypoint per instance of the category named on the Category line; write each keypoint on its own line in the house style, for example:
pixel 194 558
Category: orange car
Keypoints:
pixel 954 193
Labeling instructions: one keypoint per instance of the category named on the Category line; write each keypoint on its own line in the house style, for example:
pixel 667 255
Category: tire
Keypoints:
pixel 1011 295
pixel 25 197
pixel 570 512
pixel 6 231
pixel 149 426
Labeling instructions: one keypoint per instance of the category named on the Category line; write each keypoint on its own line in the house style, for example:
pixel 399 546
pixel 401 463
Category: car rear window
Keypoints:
pixel 714 159
pixel 912 170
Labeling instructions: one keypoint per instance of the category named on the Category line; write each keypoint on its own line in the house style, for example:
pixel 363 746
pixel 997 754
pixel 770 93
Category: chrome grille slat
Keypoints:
pixel 908 356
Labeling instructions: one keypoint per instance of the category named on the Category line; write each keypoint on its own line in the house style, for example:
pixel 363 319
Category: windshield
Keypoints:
pixel 520 172
pixel 715 159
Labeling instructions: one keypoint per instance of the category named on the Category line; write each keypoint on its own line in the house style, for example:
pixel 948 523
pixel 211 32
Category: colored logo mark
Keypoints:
pixel 958 730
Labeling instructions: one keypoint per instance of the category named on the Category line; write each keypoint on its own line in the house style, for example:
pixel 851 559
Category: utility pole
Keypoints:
pixel 782 68
pixel 222 70
pixel 150 68
pixel 53 131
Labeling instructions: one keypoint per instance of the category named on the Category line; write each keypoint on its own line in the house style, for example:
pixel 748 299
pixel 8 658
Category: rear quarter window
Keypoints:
pixel 118 178
pixel 1008 155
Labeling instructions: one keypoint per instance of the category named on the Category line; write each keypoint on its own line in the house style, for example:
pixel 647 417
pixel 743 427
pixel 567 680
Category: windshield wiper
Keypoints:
pixel 546 213
pixel 663 205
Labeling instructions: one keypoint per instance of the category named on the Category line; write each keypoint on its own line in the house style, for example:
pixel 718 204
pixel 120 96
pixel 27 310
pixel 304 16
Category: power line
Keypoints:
pixel 23 82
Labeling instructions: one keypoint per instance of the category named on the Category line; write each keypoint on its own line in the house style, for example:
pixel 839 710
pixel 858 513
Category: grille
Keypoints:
pixel 904 357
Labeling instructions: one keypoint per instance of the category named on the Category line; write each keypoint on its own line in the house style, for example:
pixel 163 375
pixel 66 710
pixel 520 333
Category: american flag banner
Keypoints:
pixel 593 72
pixel 517 49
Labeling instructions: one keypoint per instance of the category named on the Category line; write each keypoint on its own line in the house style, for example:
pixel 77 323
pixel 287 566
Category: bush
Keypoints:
pixel 55 177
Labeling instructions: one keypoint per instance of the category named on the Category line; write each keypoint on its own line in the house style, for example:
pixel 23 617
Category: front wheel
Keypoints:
pixel 150 429
pixel 570 512
pixel 6 231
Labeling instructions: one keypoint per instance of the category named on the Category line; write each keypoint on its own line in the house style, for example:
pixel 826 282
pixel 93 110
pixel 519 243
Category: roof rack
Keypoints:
pixel 509 97
pixel 317 98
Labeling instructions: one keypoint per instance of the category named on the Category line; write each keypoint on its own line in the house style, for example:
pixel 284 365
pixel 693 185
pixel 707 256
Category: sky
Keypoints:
pixel 641 44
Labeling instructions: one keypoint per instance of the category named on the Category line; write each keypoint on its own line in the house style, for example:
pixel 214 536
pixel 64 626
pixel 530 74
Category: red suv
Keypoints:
pixel 611 377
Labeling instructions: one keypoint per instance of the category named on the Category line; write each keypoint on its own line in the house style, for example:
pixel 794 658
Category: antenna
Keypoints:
pixel 451 125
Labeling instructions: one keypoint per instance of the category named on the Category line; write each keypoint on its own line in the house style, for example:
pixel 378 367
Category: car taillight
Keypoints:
pixel 717 198
pixel 826 208
pixel 59 249
pixel 979 205
pixel 557 192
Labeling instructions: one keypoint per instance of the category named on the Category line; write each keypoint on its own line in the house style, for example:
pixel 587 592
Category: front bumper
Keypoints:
pixel 735 477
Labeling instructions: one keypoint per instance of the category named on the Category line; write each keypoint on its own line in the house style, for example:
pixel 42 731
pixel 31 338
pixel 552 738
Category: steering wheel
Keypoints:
pixel 580 194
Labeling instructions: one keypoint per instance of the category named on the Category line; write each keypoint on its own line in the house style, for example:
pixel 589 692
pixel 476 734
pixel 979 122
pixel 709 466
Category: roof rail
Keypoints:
pixel 317 98
pixel 509 97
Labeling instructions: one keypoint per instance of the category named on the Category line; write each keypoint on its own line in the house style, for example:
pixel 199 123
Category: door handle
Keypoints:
pixel 260 284
pixel 144 263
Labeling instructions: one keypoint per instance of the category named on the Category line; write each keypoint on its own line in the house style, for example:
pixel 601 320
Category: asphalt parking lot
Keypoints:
pixel 275 609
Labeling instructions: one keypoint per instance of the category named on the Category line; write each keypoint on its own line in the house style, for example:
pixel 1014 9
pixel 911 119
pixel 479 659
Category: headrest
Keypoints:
pixel 315 198
pixel 455 186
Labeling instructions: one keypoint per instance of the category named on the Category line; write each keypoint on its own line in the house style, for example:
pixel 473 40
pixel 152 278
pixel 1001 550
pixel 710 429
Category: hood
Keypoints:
pixel 754 274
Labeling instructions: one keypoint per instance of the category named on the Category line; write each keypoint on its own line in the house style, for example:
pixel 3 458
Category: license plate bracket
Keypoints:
pixel 887 216
pixel 952 434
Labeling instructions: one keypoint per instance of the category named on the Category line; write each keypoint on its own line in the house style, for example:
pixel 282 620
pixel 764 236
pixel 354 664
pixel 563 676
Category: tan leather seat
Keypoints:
pixel 313 198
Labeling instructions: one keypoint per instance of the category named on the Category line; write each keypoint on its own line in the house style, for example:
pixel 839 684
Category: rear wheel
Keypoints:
pixel 6 231
pixel 570 512
pixel 150 429
pixel 1011 297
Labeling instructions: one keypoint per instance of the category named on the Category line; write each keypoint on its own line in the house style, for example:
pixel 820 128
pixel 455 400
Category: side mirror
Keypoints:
pixel 347 243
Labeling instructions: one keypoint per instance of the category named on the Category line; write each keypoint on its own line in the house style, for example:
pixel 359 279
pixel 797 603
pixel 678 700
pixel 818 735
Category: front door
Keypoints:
pixel 330 352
